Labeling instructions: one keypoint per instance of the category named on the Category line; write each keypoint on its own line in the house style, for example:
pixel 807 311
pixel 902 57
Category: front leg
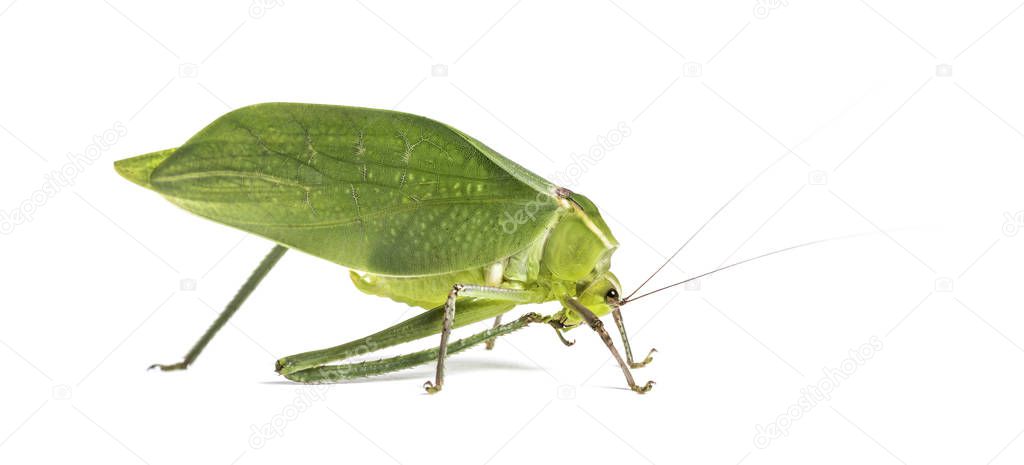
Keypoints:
pixel 470 290
pixel 598 326
pixel 617 315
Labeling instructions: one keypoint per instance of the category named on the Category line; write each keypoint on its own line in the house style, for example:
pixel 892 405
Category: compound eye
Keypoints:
pixel 612 294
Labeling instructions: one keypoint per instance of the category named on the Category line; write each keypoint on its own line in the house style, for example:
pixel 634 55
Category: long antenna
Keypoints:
pixel 805 244
pixel 680 249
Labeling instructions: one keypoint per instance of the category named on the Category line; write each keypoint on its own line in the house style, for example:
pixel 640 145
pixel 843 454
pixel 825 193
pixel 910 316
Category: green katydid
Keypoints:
pixel 417 210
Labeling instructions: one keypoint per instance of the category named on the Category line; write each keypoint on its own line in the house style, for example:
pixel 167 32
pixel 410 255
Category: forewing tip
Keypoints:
pixel 139 168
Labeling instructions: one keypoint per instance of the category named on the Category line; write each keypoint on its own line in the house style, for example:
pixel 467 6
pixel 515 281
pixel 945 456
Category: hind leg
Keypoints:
pixel 250 285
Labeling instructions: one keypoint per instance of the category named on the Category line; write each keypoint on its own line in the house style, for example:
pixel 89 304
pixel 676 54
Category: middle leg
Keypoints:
pixel 489 345
pixel 470 290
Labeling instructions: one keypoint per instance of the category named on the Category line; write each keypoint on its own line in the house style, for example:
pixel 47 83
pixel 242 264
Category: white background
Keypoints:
pixel 839 112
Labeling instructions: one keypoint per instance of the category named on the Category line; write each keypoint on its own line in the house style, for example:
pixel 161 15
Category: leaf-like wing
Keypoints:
pixel 373 190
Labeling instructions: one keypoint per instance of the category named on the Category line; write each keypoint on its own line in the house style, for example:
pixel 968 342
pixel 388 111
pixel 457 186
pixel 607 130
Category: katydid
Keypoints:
pixel 418 211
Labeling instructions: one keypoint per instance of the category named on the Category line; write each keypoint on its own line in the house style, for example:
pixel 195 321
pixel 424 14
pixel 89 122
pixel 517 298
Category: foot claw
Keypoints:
pixel 430 388
pixel 648 359
pixel 562 338
pixel 643 389
pixel 172 367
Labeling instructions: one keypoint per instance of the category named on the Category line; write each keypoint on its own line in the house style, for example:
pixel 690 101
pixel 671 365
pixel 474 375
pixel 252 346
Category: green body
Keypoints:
pixel 410 205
